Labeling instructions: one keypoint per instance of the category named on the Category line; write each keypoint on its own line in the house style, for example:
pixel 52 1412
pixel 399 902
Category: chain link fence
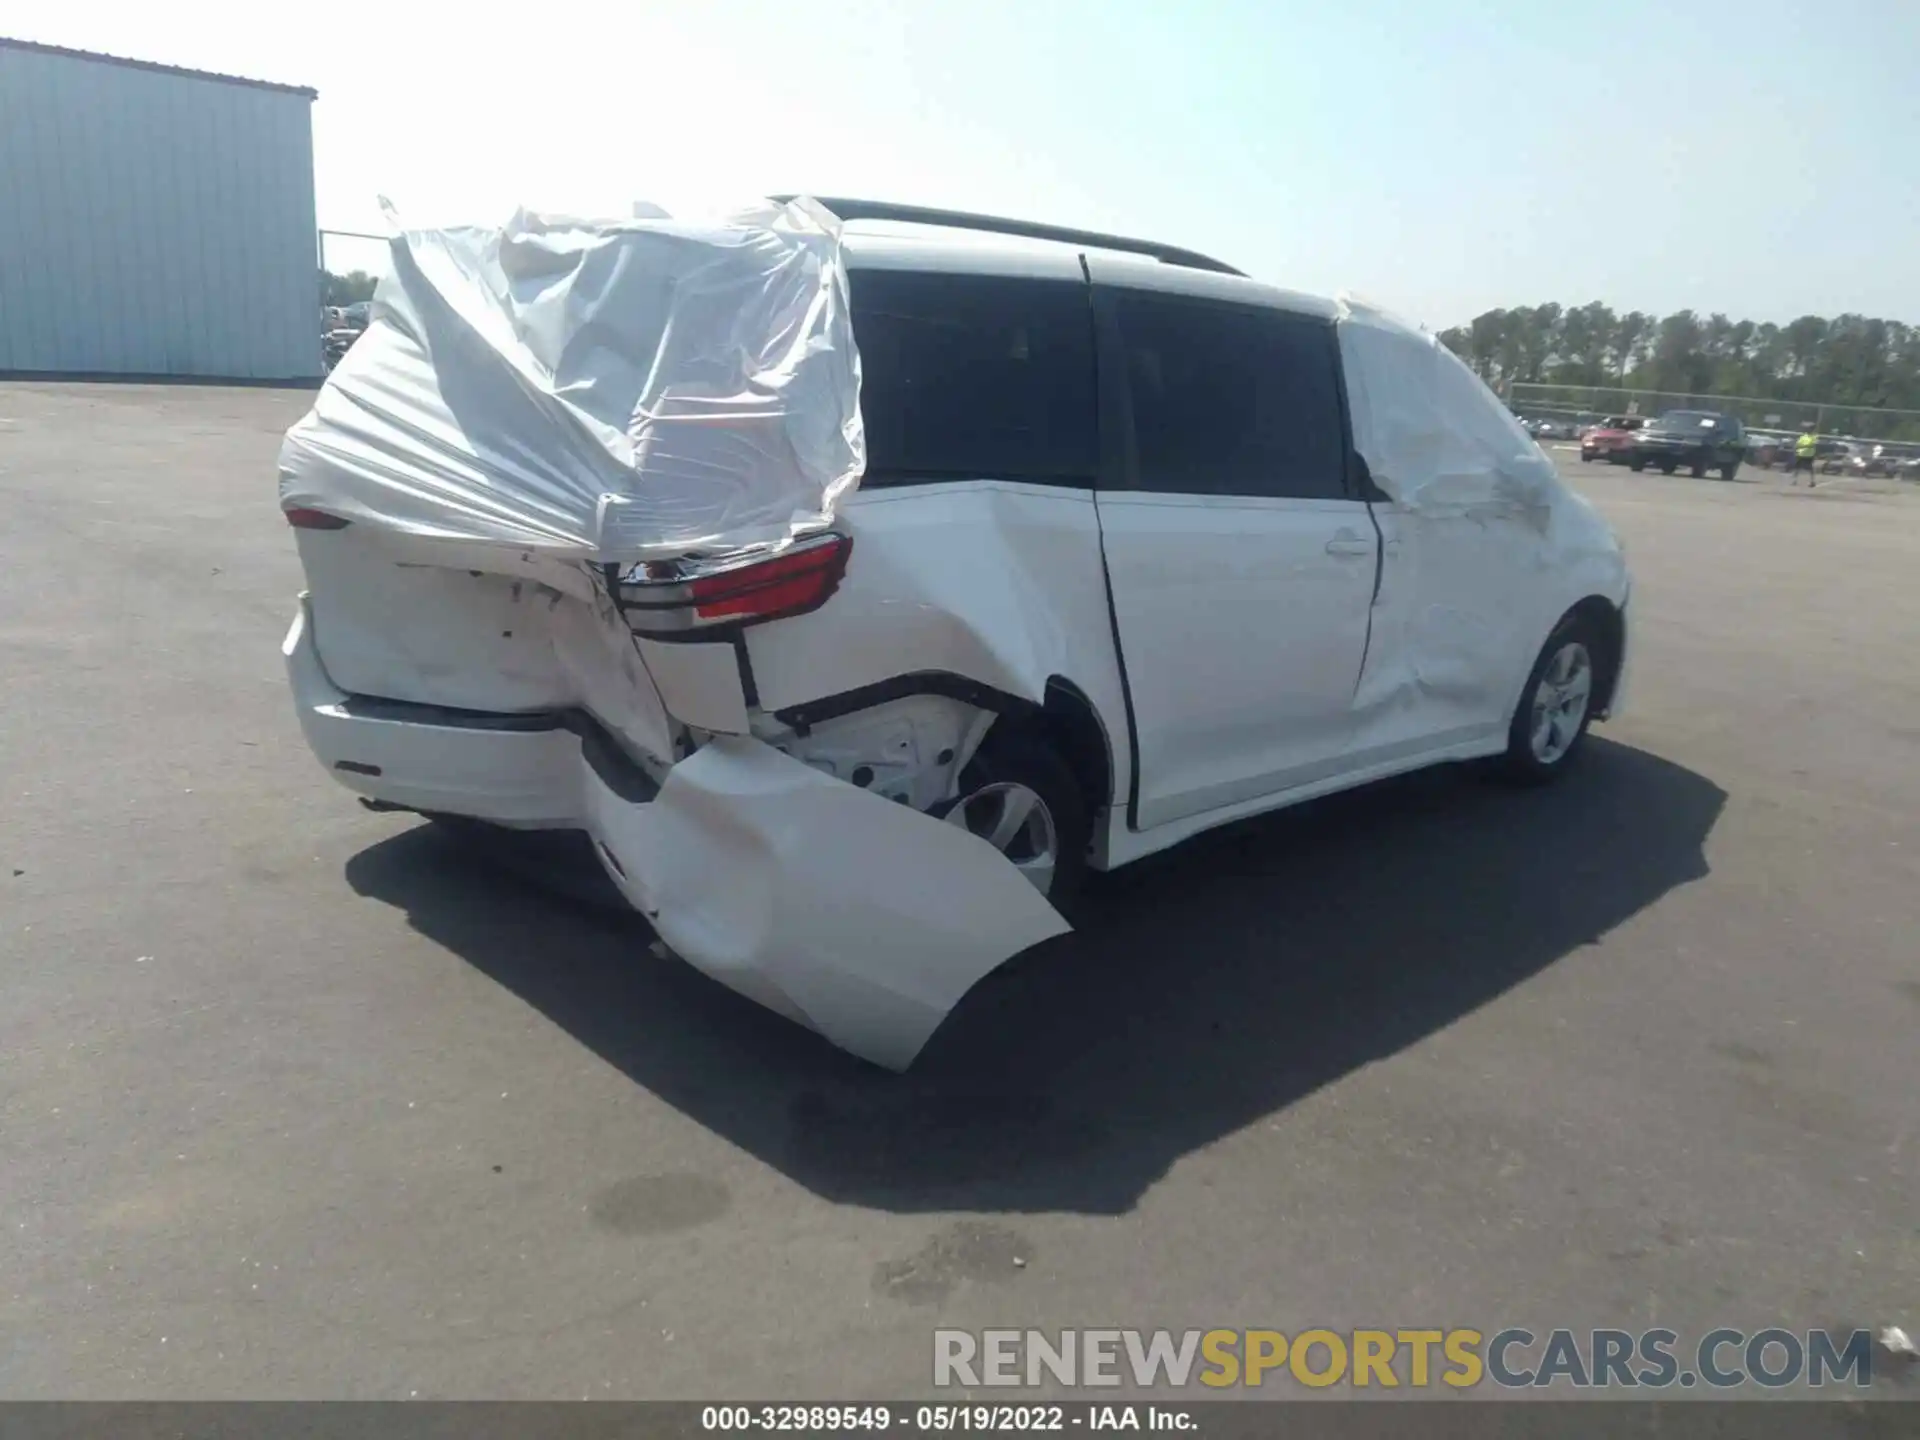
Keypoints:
pixel 1577 405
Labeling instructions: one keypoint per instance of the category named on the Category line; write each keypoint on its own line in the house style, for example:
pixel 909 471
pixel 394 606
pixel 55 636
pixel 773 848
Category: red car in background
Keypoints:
pixel 1610 438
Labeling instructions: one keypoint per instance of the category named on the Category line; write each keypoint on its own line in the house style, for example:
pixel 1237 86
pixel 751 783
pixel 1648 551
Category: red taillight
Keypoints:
pixel 779 586
pixel 672 599
pixel 303 519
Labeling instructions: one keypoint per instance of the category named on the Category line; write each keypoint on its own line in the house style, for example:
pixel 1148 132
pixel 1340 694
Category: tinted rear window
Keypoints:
pixel 1232 400
pixel 971 376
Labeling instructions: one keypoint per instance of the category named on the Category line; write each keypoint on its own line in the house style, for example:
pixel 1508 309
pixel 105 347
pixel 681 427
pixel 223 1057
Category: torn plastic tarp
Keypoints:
pixel 1435 438
pixel 601 390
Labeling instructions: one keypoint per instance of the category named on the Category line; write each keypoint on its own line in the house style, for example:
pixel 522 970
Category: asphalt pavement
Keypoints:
pixel 304 1101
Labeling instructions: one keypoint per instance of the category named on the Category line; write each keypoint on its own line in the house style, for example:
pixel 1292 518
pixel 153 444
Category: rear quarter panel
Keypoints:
pixel 998 582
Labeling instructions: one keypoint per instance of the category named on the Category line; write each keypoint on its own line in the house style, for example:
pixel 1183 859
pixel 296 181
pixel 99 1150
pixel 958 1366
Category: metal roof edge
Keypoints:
pixel 851 210
pixel 8 42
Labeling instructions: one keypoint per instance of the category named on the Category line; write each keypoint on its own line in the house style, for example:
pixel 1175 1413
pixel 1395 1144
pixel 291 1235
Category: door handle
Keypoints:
pixel 1348 543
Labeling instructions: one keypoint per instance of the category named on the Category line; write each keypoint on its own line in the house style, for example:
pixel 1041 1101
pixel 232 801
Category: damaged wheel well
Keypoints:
pixel 1609 630
pixel 1069 723
pixel 1066 720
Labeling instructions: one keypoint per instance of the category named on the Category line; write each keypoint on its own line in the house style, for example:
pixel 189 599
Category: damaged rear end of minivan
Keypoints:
pixel 578 556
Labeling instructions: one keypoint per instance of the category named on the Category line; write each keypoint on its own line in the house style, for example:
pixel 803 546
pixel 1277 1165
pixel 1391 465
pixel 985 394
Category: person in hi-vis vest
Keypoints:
pixel 1803 452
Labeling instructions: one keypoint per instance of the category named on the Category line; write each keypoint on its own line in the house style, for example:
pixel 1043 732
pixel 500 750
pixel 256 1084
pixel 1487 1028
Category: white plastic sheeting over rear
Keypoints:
pixel 1436 439
pixel 603 390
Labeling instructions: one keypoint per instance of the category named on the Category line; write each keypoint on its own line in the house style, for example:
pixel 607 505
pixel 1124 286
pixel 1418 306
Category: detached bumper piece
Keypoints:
pixel 860 918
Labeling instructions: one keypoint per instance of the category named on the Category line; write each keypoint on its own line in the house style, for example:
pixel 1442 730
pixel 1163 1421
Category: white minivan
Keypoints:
pixel 1141 547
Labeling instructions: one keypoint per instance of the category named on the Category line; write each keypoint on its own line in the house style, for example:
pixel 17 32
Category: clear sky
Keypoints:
pixel 1758 157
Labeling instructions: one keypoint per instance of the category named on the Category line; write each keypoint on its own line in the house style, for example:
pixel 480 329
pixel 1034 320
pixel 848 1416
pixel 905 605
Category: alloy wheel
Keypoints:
pixel 1560 702
pixel 1015 821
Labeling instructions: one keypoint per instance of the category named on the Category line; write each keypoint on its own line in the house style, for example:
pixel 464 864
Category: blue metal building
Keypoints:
pixel 154 221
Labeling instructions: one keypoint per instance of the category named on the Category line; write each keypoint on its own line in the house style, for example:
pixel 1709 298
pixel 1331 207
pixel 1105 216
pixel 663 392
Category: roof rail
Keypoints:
pixel 1027 230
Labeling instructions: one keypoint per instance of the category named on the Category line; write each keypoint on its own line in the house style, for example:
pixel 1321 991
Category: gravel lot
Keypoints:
pixel 300 1100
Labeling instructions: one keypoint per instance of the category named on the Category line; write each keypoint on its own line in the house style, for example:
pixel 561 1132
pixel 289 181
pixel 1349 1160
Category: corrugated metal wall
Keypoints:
pixel 154 223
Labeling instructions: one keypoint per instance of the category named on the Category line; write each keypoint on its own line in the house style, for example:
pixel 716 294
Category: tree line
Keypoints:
pixel 1846 361
pixel 348 289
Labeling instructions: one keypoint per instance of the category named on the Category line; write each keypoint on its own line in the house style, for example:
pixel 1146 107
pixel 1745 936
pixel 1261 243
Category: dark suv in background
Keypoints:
pixel 1701 440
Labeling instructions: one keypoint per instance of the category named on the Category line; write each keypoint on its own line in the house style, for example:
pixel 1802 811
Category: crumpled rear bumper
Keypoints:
pixel 514 770
pixel 860 918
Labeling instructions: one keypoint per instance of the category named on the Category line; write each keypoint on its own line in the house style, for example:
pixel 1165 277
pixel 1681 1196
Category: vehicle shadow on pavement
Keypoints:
pixel 1207 987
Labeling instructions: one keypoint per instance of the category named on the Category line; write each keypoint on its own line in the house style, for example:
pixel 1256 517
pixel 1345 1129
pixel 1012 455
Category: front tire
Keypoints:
pixel 1728 472
pixel 1556 706
pixel 1636 464
pixel 1019 796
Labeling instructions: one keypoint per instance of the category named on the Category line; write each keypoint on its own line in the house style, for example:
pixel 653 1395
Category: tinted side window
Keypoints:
pixel 966 376
pixel 1232 400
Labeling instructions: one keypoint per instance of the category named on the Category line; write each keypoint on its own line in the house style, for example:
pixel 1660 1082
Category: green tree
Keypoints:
pixel 1629 342
pixel 348 289
pixel 1836 364
pixel 1536 339
pixel 1805 338
pixel 1484 340
pixel 1586 338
